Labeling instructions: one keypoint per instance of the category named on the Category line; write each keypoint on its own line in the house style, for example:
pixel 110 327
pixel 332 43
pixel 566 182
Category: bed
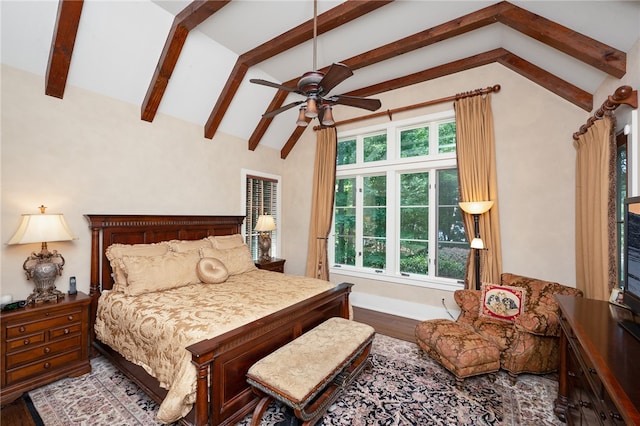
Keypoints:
pixel 222 395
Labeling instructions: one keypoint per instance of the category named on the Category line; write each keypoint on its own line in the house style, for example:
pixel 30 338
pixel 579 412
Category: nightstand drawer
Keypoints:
pixel 44 323
pixel 24 342
pixel 40 352
pixel 42 367
pixel 61 332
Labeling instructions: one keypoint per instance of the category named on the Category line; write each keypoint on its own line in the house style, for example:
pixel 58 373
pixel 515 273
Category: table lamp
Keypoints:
pixel 43 268
pixel 265 225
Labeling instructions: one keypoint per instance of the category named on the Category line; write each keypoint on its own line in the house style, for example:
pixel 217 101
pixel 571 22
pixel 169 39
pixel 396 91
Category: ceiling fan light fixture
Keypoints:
pixel 302 119
pixel 312 108
pixel 327 117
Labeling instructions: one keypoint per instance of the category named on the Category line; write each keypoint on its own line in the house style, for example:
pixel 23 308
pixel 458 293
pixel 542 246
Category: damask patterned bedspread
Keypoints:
pixel 153 329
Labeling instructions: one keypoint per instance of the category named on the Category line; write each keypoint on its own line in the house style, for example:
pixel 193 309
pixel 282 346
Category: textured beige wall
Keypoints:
pixel 91 154
pixel 536 163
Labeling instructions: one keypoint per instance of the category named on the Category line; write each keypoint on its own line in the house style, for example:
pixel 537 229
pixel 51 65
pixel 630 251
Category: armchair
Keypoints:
pixel 529 344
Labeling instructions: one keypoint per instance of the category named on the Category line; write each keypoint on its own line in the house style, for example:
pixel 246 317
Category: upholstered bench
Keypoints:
pixel 458 348
pixel 308 373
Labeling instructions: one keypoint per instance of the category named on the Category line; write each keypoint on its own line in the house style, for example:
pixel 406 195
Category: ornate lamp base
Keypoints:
pixel 264 241
pixel 43 268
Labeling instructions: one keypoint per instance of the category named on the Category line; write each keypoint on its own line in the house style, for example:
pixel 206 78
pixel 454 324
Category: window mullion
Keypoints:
pixel 433 223
pixel 359 220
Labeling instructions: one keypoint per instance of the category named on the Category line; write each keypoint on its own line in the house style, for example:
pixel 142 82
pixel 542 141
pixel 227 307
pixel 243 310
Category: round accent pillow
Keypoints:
pixel 211 270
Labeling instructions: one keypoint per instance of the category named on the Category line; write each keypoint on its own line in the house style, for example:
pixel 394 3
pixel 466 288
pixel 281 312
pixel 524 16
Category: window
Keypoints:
pixel 396 215
pixel 261 198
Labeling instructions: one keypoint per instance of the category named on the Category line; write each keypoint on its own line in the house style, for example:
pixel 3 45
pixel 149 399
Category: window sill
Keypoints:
pixel 424 282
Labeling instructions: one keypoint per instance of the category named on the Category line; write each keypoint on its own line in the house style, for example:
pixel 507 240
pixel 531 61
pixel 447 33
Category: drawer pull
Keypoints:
pixel 47 365
pixel 66 331
pixel 21 329
pixel 70 317
pixel 26 341
pixel 46 314
pixel 47 350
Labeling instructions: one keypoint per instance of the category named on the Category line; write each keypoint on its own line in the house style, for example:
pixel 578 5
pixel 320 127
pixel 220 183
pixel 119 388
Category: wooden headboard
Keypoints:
pixel 146 229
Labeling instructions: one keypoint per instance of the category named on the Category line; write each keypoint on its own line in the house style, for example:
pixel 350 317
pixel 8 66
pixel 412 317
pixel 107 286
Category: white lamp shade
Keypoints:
pixel 477 243
pixel 42 228
pixel 476 207
pixel 265 223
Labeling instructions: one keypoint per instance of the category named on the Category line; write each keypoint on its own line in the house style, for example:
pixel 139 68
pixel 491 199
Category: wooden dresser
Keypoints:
pixel 44 343
pixel 599 380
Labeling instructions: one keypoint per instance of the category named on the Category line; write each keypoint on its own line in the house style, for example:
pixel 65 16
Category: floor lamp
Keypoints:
pixel 476 208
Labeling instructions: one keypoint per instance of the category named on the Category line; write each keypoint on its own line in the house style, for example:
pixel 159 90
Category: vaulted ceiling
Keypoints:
pixel 193 60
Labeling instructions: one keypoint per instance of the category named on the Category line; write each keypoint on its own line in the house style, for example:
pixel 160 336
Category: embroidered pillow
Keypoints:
pixel 182 246
pixel 223 242
pixel 237 260
pixel 156 273
pixel 501 302
pixel 115 252
pixel 211 270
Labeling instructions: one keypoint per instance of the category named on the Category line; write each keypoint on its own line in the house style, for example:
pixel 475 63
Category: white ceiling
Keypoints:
pixel 119 44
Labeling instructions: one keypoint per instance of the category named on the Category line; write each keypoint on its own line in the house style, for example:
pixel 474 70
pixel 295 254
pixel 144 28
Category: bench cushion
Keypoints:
pixel 299 370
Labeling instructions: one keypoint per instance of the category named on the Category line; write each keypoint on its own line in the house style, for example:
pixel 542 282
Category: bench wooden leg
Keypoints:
pixel 258 412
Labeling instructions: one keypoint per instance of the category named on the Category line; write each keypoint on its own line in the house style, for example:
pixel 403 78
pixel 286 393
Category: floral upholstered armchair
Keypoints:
pixel 528 342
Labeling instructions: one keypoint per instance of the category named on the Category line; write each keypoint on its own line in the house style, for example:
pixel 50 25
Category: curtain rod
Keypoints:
pixel 389 112
pixel 623 95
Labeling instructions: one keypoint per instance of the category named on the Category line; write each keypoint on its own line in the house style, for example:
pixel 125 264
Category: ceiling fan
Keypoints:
pixel 315 87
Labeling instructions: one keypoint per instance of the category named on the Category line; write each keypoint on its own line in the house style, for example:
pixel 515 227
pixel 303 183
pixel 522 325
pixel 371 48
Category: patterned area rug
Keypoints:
pixel 404 387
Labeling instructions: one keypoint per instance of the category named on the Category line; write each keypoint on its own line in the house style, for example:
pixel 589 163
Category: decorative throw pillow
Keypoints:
pixel 501 302
pixel 237 260
pixel 157 273
pixel 115 252
pixel 211 270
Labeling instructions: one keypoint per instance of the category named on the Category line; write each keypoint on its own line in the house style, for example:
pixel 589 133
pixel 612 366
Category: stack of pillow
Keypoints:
pixel 144 268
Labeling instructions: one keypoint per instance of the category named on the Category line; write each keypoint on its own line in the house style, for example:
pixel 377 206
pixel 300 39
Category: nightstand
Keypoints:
pixel 276 265
pixel 43 343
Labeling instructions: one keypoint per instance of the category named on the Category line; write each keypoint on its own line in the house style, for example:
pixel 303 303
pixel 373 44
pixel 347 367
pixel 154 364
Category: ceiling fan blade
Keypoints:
pixel 336 74
pixel 275 85
pixel 277 111
pixel 356 101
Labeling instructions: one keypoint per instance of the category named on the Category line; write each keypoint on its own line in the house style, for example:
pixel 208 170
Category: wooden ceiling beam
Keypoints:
pixel 581 47
pixel 64 39
pixel 590 51
pixel 189 18
pixel 331 19
pixel 536 74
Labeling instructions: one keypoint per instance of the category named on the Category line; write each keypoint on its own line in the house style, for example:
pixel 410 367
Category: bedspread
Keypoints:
pixel 152 330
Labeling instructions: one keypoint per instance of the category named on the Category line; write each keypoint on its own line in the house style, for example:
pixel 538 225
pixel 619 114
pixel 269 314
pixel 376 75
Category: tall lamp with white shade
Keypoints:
pixel 476 208
pixel 43 268
pixel 264 226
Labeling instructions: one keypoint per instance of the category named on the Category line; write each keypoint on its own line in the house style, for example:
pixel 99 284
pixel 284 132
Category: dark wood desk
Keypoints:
pixel 599 365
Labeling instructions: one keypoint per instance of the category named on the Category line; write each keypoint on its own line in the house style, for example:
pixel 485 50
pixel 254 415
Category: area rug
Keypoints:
pixel 403 387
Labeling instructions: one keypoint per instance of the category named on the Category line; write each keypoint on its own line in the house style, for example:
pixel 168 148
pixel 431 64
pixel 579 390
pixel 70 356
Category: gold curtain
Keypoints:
pixel 324 180
pixel 596 266
pixel 478 182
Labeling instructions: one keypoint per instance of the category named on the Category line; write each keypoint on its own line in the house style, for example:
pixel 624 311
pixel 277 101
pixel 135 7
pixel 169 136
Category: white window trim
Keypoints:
pixel 243 203
pixel 392 167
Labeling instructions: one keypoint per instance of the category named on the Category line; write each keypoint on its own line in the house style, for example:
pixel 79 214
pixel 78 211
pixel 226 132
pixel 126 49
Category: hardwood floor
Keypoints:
pixel 390 325
pixel 17 414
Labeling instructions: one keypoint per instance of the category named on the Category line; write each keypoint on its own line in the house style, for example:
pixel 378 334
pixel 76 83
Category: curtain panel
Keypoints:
pixel 478 181
pixel 596 266
pixel 324 181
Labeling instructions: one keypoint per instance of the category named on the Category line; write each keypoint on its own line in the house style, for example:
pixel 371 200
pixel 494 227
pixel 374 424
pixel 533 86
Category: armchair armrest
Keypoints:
pixel 469 302
pixel 539 322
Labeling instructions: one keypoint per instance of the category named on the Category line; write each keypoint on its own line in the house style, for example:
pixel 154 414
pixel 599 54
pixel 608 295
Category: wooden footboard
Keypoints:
pixel 224 361
pixel 223 396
